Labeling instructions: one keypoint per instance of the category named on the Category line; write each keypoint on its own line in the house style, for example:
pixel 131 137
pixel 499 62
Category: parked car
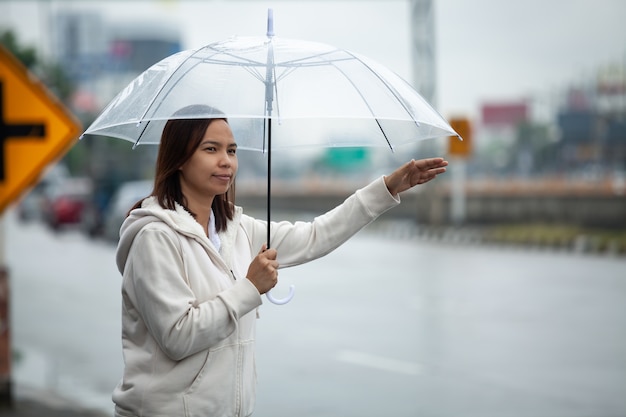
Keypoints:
pixel 34 204
pixel 68 200
pixel 121 202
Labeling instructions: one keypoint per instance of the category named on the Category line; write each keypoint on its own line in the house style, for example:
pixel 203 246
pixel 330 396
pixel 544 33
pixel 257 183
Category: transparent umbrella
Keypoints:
pixel 276 93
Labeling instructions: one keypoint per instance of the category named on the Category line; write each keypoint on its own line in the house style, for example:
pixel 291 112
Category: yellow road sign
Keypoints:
pixel 35 128
pixel 463 127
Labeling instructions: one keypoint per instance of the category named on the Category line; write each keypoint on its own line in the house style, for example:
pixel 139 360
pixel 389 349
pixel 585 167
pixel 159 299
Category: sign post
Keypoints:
pixel 459 150
pixel 35 130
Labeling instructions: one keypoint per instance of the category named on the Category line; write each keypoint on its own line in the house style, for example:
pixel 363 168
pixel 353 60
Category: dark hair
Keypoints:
pixel 180 138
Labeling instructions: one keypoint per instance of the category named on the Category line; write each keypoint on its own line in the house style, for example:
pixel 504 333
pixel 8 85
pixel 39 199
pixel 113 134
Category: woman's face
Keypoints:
pixel 212 167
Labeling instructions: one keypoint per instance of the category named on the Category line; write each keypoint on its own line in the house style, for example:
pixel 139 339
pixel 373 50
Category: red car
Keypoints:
pixel 68 202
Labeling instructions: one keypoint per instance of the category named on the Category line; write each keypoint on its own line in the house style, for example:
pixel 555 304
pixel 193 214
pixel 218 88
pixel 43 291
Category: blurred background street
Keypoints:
pixel 497 290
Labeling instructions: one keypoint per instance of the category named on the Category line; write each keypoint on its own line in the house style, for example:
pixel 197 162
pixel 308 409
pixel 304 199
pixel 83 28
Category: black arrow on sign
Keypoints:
pixel 8 131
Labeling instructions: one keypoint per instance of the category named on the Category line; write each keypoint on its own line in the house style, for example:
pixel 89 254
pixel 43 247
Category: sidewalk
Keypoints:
pixel 32 408
pixel 30 402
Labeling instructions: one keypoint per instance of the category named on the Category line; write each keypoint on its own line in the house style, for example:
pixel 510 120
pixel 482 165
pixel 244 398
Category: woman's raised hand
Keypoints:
pixel 413 173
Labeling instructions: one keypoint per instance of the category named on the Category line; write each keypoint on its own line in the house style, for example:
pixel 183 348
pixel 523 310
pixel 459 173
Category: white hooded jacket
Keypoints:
pixel 188 312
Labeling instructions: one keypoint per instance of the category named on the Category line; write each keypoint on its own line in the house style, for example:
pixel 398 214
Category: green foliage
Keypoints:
pixel 50 73
pixel 26 55
pixel 57 81
pixel 559 236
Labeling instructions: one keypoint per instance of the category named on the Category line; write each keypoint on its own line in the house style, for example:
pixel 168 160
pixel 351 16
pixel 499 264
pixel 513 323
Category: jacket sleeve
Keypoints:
pixel 301 242
pixel 155 286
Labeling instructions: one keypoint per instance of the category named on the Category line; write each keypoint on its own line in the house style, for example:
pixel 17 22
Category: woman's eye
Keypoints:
pixel 232 151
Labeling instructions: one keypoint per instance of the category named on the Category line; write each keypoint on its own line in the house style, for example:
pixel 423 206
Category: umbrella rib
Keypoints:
pixel 173 85
pixel 384 134
pixel 279 77
pixel 161 89
pixel 390 88
pixel 366 102
pixel 141 134
pixel 295 63
pixel 244 61
pixel 276 79
pixel 326 61
pixel 232 55
pixel 249 66
pixel 254 73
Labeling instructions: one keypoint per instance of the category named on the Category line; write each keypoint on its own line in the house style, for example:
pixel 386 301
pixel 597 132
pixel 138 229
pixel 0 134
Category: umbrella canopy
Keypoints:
pixel 317 94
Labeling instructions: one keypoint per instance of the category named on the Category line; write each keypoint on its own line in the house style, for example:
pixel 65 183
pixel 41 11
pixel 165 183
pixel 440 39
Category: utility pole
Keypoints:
pixel 423 48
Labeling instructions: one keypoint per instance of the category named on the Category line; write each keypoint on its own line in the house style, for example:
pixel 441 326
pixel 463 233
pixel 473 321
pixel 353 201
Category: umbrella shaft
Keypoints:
pixel 269 176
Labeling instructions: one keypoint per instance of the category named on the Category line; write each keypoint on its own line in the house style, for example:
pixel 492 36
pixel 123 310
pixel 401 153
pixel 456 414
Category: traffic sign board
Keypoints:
pixel 463 127
pixel 35 128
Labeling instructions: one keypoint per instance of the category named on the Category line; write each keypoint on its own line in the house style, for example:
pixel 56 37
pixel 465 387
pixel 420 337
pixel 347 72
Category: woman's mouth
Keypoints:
pixel 224 177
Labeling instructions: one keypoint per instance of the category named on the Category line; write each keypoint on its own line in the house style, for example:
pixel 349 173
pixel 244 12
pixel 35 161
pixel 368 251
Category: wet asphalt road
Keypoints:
pixel 381 327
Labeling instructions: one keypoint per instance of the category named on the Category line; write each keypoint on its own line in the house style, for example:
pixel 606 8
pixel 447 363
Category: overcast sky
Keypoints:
pixel 487 50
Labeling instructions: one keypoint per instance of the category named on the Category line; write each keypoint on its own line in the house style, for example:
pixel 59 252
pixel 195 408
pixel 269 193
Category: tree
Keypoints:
pixel 26 55
pixel 51 74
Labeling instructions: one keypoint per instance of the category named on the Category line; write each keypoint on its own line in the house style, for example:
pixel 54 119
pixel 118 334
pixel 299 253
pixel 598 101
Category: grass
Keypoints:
pixel 589 239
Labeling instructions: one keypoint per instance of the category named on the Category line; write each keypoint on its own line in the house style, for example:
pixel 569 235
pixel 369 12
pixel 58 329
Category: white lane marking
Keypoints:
pixel 378 362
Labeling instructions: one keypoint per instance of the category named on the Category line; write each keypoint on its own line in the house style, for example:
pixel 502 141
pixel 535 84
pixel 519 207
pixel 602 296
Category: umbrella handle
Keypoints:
pixel 282 301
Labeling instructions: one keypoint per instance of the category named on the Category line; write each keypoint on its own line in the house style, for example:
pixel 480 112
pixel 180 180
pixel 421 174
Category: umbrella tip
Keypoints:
pixel 270 23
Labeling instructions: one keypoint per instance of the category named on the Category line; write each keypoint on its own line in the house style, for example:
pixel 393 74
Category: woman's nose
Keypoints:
pixel 225 159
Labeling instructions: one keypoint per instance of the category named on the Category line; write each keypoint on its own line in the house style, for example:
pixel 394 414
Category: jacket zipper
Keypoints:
pixel 239 405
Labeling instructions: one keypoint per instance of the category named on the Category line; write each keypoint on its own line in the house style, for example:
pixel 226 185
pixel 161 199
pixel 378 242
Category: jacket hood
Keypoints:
pixel 179 220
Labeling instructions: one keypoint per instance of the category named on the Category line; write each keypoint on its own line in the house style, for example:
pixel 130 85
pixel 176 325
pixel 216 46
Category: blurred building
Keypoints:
pixel 592 124
pixel 504 115
pixel 424 49
pixel 102 57
pixel 610 105
pixel 498 130
pixel 79 45
pixel 584 136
